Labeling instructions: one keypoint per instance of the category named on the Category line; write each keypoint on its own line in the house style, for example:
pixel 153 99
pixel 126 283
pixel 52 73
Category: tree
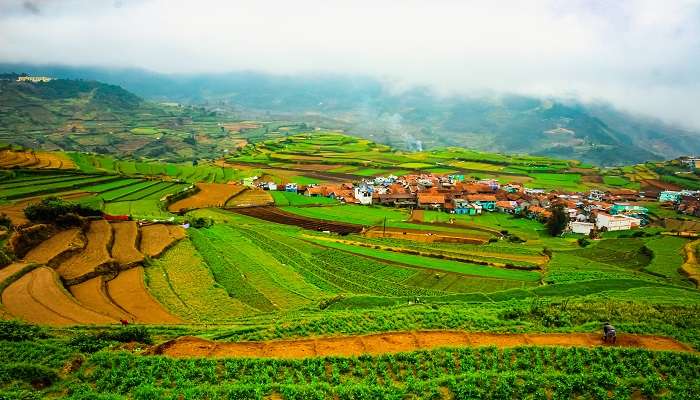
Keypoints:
pixel 558 221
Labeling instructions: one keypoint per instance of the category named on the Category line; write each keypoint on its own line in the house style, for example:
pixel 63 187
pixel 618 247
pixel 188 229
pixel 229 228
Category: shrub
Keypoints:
pixel 92 342
pixel 558 221
pixel 130 334
pixel 88 343
pixel 201 222
pixel 53 209
pixel 15 331
pixel 5 221
pixel 583 242
pixel 26 238
pixel 34 374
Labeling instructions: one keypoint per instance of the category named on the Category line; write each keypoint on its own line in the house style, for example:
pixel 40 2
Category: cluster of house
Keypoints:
pixel 595 210
pixel 684 201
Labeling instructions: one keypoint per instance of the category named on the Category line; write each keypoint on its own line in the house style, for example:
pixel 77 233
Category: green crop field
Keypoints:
pixel 235 278
pixel 293 199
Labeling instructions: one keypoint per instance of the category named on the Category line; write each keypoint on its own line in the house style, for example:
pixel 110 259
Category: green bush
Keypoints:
pixel 15 331
pixel 130 334
pixel 34 374
pixel 53 209
pixel 88 343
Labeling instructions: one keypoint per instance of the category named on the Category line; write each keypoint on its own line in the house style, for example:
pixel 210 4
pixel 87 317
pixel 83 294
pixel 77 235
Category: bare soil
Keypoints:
pixel 209 195
pixel 128 291
pixel 99 236
pixel 156 238
pixel 39 297
pixel 93 295
pixel 56 245
pixel 124 249
pixel 396 342
pixel 250 198
pixel 10 270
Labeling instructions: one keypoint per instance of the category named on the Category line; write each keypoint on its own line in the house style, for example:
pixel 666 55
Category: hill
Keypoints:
pixel 91 116
pixel 416 118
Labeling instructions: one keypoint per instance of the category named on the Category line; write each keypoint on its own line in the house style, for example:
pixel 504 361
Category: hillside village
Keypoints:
pixel 588 212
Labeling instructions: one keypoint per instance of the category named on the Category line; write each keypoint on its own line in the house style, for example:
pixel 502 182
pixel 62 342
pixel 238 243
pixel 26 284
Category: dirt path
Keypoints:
pixel 396 342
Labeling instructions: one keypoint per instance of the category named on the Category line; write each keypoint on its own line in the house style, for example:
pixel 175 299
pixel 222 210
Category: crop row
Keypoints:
pixel 278 283
pixel 466 373
pixel 225 268
pixel 54 187
pixel 353 274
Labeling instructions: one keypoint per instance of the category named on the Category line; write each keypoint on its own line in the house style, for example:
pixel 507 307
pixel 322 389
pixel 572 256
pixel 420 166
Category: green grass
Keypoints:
pixel 182 282
pixel 304 180
pixel 550 181
pixel 436 264
pixel 144 131
pixel 623 253
pixel 53 188
pixel 293 199
pixel 370 172
pixel 352 213
pixel 667 257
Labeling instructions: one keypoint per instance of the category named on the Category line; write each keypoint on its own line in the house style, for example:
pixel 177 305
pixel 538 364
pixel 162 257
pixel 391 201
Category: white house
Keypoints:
pixel 34 79
pixel 363 195
pixel 581 227
pixel 616 222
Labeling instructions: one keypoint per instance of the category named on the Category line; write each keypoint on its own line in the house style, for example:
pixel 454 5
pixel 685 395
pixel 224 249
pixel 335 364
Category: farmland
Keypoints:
pixel 273 294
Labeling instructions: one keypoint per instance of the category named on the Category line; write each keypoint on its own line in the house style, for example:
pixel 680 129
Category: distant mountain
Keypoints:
pixel 417 118
pixel 82 115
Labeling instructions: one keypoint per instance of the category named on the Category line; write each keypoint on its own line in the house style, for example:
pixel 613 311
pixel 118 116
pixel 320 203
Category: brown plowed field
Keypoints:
pixel 93 295
pixel 39 297
pixel 56 245
pixel 20 304
pixel 16 212
pixel 396 342
pixel 158 237
pixel 251 198
pixel 124 249
pixel 209 195
pixel 99 235
pixel 657 184
pixel 10 270
pixel 129 292
pixel 282 217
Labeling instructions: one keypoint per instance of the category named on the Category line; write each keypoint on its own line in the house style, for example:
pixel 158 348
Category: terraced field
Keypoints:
pixel 93 256
pixel 209 195
pixel 34 160
pixel 97 292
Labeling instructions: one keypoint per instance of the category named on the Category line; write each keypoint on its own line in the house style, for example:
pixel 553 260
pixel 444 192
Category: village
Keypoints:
pixel 588 212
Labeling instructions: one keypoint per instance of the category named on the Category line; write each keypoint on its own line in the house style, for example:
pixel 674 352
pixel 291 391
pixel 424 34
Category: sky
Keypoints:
pixel 642 56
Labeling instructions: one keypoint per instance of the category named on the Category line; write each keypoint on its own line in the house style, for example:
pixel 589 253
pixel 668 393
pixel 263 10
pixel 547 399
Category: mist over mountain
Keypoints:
pixel 411 118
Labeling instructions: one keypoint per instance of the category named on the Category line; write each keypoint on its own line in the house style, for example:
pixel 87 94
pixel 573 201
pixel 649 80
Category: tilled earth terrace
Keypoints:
pixel 94 296
pixel 209 195
pixel 398 342
pixel 39 160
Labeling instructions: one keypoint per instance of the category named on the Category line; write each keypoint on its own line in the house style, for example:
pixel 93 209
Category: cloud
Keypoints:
pixel 644 56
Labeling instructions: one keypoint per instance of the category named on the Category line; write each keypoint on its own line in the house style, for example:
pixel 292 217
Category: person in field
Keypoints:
pixel 609 333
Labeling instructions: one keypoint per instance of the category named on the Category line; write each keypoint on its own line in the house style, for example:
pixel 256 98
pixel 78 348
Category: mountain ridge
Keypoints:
pixel 416 118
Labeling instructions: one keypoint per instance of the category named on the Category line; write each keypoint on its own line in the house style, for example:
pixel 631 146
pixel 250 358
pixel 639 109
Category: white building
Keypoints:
pixel 581 227
pixel 363 195
pixel 616 222
pixel 34 79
